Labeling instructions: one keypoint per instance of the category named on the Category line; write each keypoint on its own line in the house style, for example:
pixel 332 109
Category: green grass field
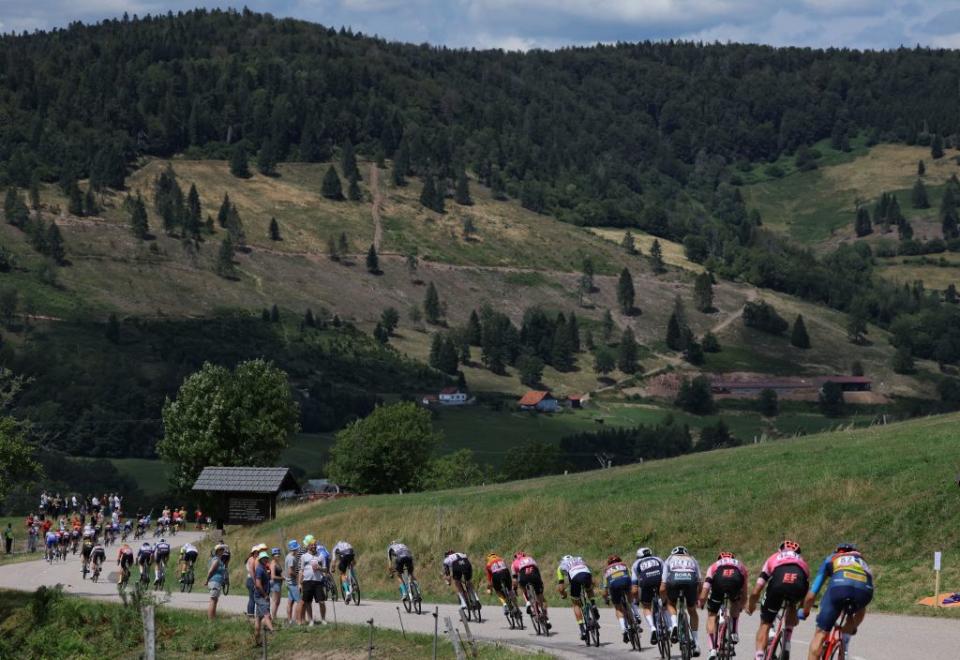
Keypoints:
pixel 71 627
pixel 890 489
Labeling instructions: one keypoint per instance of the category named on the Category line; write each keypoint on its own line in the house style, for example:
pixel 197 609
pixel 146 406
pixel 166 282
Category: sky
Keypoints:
pixel 526 24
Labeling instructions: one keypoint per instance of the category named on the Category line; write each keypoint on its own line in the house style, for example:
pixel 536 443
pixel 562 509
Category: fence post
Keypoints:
pixel 149 632
pixel 454 639
pixel 466 629
pixel 370 644
pixel 399 616
pixel 436 630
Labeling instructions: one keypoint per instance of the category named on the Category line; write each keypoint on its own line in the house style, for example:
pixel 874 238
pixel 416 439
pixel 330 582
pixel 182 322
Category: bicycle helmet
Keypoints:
pixel 492 556
pixel 395 542
pixel 679 550
pixel 447 553
pixel 726 555
pixel 163 540
pixel 846 547
pixel 644 552
pixel 613 559
pixel 566 558
pixel 519 554
pixel 793 546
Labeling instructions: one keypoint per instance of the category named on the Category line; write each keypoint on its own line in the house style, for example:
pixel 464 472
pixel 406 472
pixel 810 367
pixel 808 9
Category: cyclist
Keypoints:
pixel 125 561
pixel 498 578
pixel 616 589
pixel 144 559
pixel 345 557
pixel 576 571
pixel 85 551
pixel 161 553
pixel 98 556
pixel 646 575
pixel 726 578
pixel 681 575
pixel 785 575
pixel 848 580
pixel 525 572
pixel 188 557
pixel 458 570
pixel 398 558
pixel 52 539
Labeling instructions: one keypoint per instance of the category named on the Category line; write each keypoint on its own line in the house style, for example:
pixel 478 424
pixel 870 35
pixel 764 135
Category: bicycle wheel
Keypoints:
pixel 775 647
pixel 354 588
pixel 835 649
pixel 226 587
pixel 683 633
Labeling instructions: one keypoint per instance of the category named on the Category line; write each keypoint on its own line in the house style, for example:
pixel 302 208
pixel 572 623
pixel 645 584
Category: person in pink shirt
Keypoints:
pixel 526 572
pixel 786 577
pixel 726 578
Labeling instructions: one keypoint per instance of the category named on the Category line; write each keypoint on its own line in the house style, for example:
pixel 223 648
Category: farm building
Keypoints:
pixel 576 400
pixel 452 396
pixel 848 383
pixel 539 400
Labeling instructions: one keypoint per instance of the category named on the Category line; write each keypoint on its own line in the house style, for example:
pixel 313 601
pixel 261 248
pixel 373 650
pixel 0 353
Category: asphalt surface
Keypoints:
pixel 882 636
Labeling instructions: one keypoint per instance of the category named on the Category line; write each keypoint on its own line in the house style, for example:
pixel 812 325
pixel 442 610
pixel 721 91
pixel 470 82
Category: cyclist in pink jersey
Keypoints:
pixel 525 571
pixel 726 578
pixel 786 577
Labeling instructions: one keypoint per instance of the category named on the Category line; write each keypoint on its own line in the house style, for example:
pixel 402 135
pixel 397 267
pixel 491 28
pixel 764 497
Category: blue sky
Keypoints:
pixel 516 24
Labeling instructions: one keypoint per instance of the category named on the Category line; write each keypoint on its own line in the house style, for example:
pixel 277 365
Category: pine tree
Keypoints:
pixel 606 325
pixel 799 336
pixel 625 292
pixel 473 332
pixel 238 161
pixel 919 196
pixel 34 192
pixel 343 245
pixel 332 249
pixel 921 168
pixel 348 161
pixel 225 267
pixel 138 218
pixel 604 361
pixel 431 305
pixel 353 189
pixel 54 244
pixel 936 147
pixel 267 158
pixel 430 196
pixel 462 194
pixel 90 206
pixel 235 229
pixel 573 329
pixel 194 212
pixel 373 261
pixel 950 295
pixel 656 258
pixel 856 327
pixel 331 188
pixel 308 319
pixel 498 187
pixel 561 353
pixel 949 221
pixel 628 243
pixel 224 211
pixel 401 164
pixel 274 314
pixel 674 337
pixel 710 343
pixel 469 228
pixel 862 225
pixel 389 319
pixel 627 352
pixel 274 230
pixel 703 293
pixel 380 334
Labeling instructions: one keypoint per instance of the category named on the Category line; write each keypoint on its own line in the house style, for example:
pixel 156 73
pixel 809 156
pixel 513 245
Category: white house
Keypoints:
pixel 452 396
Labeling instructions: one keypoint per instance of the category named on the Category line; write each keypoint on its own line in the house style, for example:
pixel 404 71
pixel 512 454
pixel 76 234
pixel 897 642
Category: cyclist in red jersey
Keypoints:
pixel 498 578
pixel 526 572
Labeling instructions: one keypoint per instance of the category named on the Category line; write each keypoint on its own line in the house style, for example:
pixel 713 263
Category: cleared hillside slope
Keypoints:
pixel 890 489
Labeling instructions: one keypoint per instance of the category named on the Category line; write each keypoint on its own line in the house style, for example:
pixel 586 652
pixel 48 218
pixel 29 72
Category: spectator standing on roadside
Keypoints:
pixel 291 572
pixel 309 581
pixel 251 569
pixel 276 582
pixel 216 575
pixel 261 595
pixel 8 538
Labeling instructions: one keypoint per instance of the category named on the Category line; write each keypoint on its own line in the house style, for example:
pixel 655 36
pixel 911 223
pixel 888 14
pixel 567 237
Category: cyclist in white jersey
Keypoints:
pixel 681 575
pixel 574 570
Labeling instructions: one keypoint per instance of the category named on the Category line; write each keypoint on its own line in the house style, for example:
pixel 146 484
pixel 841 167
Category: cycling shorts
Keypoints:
pixel 126 560
pixel 162 557
pixel 86 550
pixel 839 596
pixel 399 563
pixel 648 591
pixel 344 561
pixel 619 590
pixel 51 542
pixel 98 555
pixel 531 575
pixel 579 582
pixel 501 582
pixel 724 586
pixel 461 569
pixel 788 584
pixel 688 589
pixel 190 556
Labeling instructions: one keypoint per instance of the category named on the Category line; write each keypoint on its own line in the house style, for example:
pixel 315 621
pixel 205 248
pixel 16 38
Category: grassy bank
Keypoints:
pixel 891 489
pixel 48 624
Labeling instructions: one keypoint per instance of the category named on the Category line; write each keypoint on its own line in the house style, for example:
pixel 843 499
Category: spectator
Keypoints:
pixel 8 538
pixel 309 580
pixel 216 575
pixel 251 567
pixel 292 566
pixel 261 588
pixel 276 582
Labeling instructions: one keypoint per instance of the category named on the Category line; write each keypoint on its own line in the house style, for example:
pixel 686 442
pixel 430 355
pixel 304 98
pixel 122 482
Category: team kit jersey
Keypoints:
pixel 848 579
pixel 727 578
pixel 616 579
pixel 681 574
pixel 786 576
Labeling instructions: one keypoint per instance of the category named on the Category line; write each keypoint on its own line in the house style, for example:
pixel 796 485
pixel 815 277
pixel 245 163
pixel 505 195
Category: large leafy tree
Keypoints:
pixel 17 464
pixel 243 416
pixel 386 451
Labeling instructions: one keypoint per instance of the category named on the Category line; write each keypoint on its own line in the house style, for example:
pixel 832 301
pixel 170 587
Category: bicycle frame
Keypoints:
pixel 834 647
pixel 724 641
pixel 663 630
pixel 684 633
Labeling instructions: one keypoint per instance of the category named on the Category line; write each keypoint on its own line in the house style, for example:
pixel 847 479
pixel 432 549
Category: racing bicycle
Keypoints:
pixel 633 625
pixel 186 578
pixel 472 610
pixel 724 635
pixel 541 625
pixel 591 624
pixel 411 597
pixel 835 648
pixel 684 632
pixel 350 589
pixel 662 625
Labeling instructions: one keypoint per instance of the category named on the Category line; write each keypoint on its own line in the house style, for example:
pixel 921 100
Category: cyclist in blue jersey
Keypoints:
pixel 849 581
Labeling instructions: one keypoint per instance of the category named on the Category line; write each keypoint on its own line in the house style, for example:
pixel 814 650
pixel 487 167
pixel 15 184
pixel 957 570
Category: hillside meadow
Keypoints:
pixel 890 489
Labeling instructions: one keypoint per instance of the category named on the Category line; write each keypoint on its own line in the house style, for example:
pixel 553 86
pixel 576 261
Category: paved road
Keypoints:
pixel 883 637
